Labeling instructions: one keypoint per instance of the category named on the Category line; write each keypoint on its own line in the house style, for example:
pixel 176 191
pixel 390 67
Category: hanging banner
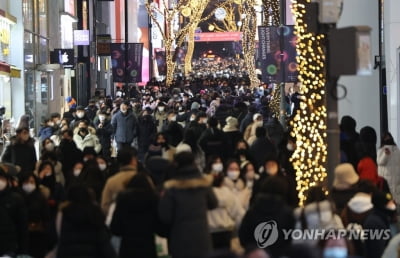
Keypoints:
pixel 159 54
pixel 272 40
pixel 132 72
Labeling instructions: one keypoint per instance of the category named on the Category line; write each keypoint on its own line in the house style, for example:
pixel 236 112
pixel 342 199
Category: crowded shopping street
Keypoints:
pixel 199 129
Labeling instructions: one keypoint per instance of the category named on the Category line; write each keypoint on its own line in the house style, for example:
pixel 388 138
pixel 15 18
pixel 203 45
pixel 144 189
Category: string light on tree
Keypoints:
pixel 309 124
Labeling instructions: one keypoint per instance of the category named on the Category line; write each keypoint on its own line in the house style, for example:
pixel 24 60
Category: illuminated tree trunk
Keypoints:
pixel 190 50
pixel 170 63
pixel 248 41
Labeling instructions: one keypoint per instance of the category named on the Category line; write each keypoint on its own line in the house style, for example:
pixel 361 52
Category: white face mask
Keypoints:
pixel 51 124
pixel 161 109
pixel 124 110
pixel 173 118
pixel 3 185
pixel 80 114
pixel 192 118
pixel 29 188
pixel 49 146
pixel 102 118
pixel 181 113
pixel 233 174
pixel 217 167
pixel 259 123
pixel 77 172
pixel 290 147
pixel 335 252
pixel 102 166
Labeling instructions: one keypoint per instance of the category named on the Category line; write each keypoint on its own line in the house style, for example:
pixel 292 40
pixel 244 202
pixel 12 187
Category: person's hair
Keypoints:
pixel 55 115
pixel 24 176
pixel 261 132
pixel 387 139
pixel 242 141
pixel 190 139
pixel 21 129
pixel 183 159
pixel 229 162
pixel 141 182
pixel 315 194
pixel 125 155
pixel 212 122
pixel 84 122
pixel 366 186
pixel 46 163
pixel 69 132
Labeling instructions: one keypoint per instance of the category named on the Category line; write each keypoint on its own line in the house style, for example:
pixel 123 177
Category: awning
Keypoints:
pixel 15 72
pixel 5 69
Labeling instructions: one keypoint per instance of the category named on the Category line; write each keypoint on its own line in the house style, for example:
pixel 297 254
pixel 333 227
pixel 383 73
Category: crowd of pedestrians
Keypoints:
pixel 189 171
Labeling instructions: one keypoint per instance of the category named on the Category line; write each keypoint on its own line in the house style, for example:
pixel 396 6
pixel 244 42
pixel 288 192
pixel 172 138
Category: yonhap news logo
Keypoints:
pixel 267 233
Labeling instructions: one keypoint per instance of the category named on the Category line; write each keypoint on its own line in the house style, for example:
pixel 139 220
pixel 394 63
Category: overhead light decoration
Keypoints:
pixel 309 124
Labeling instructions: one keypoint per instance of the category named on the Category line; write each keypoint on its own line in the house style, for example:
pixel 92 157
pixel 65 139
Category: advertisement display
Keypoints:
pixel 277 45
pixel 64 57
pixel 127 68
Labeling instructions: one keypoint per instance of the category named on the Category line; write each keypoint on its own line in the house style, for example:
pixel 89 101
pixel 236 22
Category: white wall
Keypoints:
pixel 392 42
pixel 362 101
pixel 17 59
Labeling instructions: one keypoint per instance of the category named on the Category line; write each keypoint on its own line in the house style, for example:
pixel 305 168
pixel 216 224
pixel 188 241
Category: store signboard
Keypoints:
pixel 81 38
pixel 64 57
pixel 217 36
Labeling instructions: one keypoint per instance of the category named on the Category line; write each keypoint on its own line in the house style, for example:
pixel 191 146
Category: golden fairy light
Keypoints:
pixel 309 124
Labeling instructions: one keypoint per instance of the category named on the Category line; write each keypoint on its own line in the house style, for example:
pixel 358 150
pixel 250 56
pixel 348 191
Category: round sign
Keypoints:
pixel 220 13
pixel 186 11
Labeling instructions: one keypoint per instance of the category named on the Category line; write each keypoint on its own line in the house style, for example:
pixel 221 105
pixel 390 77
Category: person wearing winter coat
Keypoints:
pixel 160 116
pixel 318 213
pixel 81 228
pixel 68 154
pixel 127 158
pixel 235 183
pixel 14 219
pixel 135 218
pixel 270 204
pixel 388 159
pixel 232 135
pixel 21 151
pixel 183 207
pixel 147 130
pixel 348 139
pixel 85 136
pixel 38 215
pixel 125 125
pixel 172 130
pixel 226 218
pixel 104 131
pixel 345 185
pixel 261 147
pixel 212 141
pixel 379 219
pixel 250 133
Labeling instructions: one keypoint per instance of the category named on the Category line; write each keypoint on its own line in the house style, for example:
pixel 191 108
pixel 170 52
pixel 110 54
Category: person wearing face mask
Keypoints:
pixel 212 140
pixel 261 147
pixel 235 183
pixel 104 131
pixel 80 115
pixel 270 204
pixel 379 219
pixel 21 151
pixel 49 154
pixel 226 218
pixel 125 125
pixel 249 174
pixel 173 131
pixel 388 159
pixel 147 130
pixel 250 132
pixel 47 130
pixel 38 215
pixel 160 115
pixel 272 168
pixel 85 136
pixel 214 165
pixel 337 247
pixel 14 220
pixel 103 166
pixel 67 153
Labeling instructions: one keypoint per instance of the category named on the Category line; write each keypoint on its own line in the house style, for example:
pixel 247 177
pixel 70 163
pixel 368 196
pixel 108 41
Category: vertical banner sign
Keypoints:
pixel 270 57
pixel 133 62
pixel 159 54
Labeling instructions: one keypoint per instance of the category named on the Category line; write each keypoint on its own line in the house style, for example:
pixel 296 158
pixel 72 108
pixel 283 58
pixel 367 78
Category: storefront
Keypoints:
pixel 6 21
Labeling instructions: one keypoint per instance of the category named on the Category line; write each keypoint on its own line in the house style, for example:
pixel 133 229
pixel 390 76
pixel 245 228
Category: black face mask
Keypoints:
pixel 83 130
